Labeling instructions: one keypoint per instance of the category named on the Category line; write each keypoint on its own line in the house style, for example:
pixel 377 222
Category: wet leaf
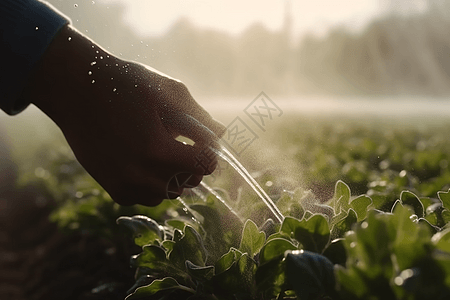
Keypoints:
pixel 156 286
pixel 313 233
pixel 412 200
pixel 199 273
pixel 341 227
pixel 442 240
pixel 341 197
pixel 445 198
pixel 252 239
pixel 145 230
pixel 360 205
pixel 189 247
pixel 238 279
pixel 227 260
pixel 275 248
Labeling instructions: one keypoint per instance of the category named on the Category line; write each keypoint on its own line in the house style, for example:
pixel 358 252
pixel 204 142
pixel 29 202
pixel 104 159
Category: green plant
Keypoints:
pixel 347 249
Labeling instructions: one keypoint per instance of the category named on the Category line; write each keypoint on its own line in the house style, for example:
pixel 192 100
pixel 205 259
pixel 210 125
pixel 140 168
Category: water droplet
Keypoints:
pixel 75 5
pixel 146 45
pixel 117 65
pixel 135 85
pixel 101 57
pixel 92 46
pixel 269 183
pixel 93 2
pixel 364 225
pixel 69 38
pixel 93 81
pixel 93 63
pixel 120 54
pixel 107 56
pixel 142 42
pixel 79 194
pixel 114 89
pixel 352 245
pixel 37 28
pixel 96 51
pixel 90 72
pixel 112 78
pixel 86 30
pixel 398 281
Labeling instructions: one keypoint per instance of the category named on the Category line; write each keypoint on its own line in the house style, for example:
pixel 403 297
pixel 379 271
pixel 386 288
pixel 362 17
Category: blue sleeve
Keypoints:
pixel 27 28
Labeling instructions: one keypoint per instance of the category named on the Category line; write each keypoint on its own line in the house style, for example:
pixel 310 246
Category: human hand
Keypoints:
pixel 121 119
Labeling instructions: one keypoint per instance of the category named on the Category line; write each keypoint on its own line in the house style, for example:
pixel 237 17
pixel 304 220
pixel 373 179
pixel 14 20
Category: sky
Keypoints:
pixel 150 17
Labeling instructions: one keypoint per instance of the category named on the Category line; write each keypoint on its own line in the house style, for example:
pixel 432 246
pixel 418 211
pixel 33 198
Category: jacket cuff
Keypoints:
pixel 27 28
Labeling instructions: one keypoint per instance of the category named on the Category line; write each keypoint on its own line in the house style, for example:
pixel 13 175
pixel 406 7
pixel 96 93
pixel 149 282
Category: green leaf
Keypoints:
pixel 445 198
pixel 199 273
pixel 176 223
pixel 168 245
pixel 252 239
pixel 145 230
pixel 270 278
pixel 408 236
pixel 153 258
pixel 238 279
pixel 310 274
pixel 159 285
pixel 227 260
pixel 289 225
pixel 275 248
pixel 360 205
pixel 412 200
pixel 442 240
pixel 338 218
pixel 189 247
pixel 341 197
pixel 313 234
pixel 223 228
pixel 341 227
pixel 336 252
pixel 269 227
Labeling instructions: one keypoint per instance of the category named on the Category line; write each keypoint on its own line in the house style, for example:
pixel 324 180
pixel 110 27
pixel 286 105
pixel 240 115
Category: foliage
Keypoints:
pixel 385 234
pixel 353 251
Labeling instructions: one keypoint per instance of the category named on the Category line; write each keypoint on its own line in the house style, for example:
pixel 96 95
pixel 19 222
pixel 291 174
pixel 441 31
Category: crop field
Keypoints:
pixel 365 203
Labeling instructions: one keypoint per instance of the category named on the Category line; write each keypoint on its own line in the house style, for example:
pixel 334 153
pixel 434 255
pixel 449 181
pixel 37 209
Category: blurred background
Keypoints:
pixel 363 87
pixel 290 47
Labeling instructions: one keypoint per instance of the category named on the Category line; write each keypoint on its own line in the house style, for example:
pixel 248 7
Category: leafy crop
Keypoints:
pixel 386 238
pixel 346 249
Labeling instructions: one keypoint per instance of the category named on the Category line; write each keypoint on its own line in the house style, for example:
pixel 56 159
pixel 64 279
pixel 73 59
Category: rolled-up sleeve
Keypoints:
pixel 27 28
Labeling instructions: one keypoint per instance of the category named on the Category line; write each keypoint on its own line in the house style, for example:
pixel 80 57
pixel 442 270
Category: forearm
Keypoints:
pixel 27 27
pixel 66 74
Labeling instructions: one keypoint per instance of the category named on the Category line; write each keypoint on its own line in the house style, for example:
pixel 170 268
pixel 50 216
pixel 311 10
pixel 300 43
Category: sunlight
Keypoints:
pixel 233 16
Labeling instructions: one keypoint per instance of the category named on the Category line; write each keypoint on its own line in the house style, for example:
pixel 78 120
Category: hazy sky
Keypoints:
pixel 155 17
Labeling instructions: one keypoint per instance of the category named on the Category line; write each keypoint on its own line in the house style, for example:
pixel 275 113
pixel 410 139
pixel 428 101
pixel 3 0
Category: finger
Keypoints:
pixel 198 160
pixel 202 116
pixel 188 126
